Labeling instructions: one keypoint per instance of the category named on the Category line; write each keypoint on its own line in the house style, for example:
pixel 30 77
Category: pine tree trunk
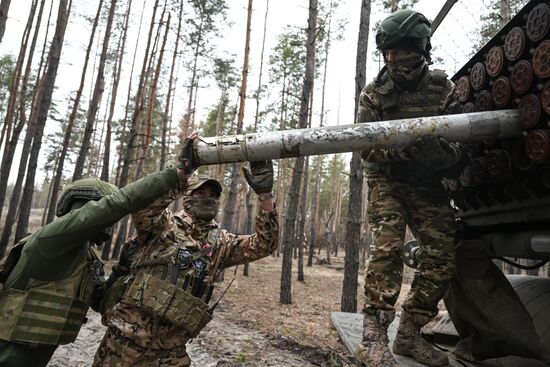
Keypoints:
pixel 4 8
pixel 12 139
pixel 42 104
pixel 116 80
pixel 152 97
pixel 127 105
pixel 58 176
pixel 164 145
pixel 294 190
pixel 259 90
pixel 99 87
pixel 231 204
pixel 124 174
pixel 353 229
pixel 314 210
pixel 302 222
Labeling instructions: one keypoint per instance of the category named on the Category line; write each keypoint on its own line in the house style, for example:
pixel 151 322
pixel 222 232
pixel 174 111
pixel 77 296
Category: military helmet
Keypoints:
pixel 196 181
pixel 84 189
pixel 405 24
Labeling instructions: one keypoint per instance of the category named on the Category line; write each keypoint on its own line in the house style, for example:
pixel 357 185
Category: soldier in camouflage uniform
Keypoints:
pixel 164 300
pixel 50 278
pixel 405 189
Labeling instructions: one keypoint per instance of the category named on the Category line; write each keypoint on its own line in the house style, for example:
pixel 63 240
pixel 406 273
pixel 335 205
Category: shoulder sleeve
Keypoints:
pixel 369 108
pixel 80 225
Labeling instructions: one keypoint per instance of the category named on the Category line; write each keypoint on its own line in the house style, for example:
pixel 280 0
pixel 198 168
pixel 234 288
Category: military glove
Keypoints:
pixel 187 160
pixel 260 176
pixel 436 153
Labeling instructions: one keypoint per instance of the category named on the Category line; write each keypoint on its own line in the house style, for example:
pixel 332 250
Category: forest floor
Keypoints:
pixel 251 327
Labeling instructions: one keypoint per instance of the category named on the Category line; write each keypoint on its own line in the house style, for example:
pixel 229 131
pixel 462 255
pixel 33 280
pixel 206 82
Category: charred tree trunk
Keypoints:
pixel 353 231
pixel 294 190
pixel 99 87
pixel 42 104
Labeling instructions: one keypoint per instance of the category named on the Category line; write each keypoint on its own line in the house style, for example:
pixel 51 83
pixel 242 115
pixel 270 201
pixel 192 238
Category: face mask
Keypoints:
pixel 407 71
pixel 202 208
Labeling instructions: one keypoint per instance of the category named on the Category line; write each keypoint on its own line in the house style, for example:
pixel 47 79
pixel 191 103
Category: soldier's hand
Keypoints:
pixel 187 159
pixel 260 176
pixel 436 153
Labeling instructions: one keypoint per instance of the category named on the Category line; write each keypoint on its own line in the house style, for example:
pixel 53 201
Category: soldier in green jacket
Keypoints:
pixel 49 278
pixel 405 190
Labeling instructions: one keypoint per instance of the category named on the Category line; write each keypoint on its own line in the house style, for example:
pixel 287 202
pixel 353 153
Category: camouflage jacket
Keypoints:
pixel 383 99
pixel 158 230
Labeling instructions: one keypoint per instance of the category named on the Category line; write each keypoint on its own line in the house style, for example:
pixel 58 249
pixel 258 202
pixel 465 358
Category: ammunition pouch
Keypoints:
pixel 168 302
pixel 40 316
pixel 49 312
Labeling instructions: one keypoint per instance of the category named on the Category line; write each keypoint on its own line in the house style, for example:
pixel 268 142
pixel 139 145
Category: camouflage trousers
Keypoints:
pixel 116 350
pixel 391 207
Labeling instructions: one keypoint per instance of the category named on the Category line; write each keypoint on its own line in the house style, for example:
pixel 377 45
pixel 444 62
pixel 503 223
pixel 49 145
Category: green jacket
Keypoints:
pixel 59 253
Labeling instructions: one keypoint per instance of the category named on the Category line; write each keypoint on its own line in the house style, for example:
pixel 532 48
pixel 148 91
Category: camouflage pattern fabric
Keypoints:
pixel 117 351
pixel 161 232
pixel 394 203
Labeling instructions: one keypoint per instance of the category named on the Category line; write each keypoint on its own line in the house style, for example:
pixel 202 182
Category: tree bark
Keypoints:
pixel 4 8
pixel 42 104
pixel 164 146
pixel 231 204
pixel 124 174
pixel 99 88
pixel 16 192
pixel 353 229
pixel 302 222
pixel 12 139
pixel 116 80
pixel 58 176
pixel 151 101
pixel 294 190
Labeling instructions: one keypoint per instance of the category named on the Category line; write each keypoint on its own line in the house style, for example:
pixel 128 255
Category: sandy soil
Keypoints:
pixel 251 327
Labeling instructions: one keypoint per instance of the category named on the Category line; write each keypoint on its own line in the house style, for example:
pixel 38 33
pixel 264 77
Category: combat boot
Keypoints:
pixel 409 342
pixel 373 350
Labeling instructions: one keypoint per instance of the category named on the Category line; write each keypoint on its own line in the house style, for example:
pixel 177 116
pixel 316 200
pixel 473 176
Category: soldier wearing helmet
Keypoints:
pixel 161 298
pixel 405 190
pixel 51 278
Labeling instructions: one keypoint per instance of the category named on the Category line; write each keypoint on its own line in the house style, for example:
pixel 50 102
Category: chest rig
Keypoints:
pixel 48 312
pixel 427 100
pixel 176 285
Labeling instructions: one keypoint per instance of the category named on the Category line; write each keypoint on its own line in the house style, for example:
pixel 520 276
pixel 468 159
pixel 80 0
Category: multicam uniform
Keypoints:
pixel 404 192
pixel 49 288
pixel 171 279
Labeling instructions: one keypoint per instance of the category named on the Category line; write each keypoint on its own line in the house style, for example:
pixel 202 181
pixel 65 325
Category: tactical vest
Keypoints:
pixel 49 312
pixel 175 287
pixel 395 103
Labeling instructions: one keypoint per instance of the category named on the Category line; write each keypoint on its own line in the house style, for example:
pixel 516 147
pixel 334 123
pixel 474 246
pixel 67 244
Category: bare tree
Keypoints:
pixel 42 105
pixel 294 190
pixel 12 139
pixel 16 192
pixel 56 181
pixel 353 229
pixel 230 208
pixel 99 88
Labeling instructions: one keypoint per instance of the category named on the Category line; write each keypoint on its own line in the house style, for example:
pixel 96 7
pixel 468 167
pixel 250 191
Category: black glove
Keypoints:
pixel 260 176
pixel 436 153
pixel 187 160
